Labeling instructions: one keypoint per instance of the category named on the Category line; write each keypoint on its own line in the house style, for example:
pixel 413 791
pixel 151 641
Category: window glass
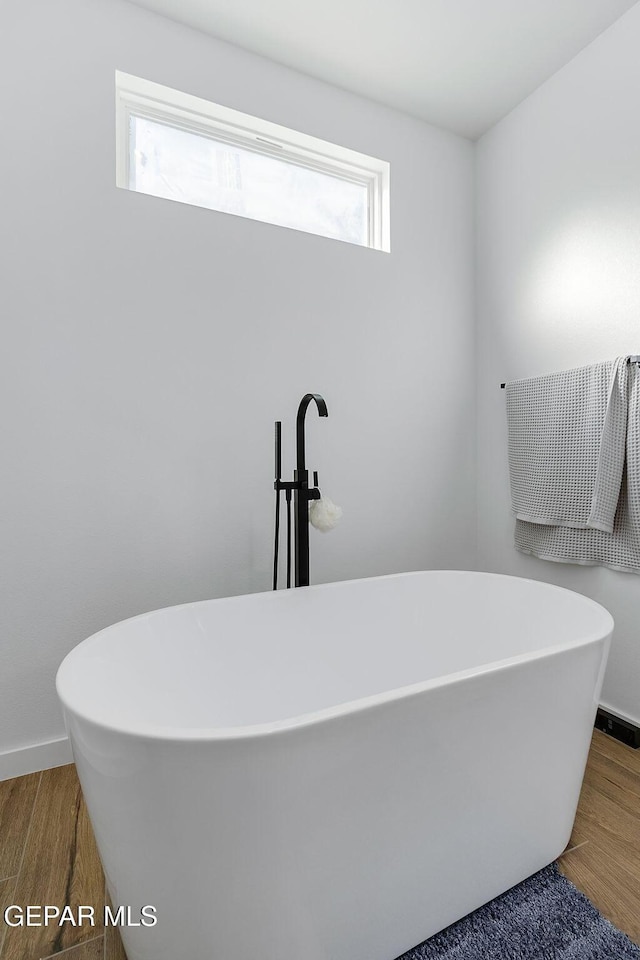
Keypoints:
pixel 178 164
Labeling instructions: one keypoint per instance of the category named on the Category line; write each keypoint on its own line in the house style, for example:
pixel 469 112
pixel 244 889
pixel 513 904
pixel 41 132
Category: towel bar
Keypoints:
pixel 635 359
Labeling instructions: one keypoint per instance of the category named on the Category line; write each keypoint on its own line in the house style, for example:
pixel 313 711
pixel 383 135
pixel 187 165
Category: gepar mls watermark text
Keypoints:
pixel 48 915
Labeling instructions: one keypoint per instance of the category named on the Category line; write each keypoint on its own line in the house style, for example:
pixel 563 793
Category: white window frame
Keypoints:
pixel 144 98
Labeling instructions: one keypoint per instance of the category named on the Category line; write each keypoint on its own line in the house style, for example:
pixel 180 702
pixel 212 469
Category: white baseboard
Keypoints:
pixel 38 756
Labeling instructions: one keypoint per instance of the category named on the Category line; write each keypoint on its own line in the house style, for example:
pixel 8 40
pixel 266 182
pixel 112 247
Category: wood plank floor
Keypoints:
pixel 48 854
pixel 605 863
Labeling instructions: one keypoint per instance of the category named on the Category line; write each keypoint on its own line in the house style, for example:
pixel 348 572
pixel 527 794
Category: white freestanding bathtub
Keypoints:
pixel 335 772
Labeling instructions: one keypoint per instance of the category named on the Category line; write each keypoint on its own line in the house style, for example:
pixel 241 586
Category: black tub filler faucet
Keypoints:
pixel 302 494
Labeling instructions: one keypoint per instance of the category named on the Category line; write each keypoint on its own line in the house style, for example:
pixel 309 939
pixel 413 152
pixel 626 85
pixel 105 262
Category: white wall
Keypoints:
pixel 558 268
pixel 148 346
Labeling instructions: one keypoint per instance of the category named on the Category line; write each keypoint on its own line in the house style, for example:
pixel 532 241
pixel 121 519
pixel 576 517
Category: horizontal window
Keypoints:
pixel 173 145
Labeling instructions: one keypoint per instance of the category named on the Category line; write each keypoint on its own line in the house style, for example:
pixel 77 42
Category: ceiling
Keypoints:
pixel 459 64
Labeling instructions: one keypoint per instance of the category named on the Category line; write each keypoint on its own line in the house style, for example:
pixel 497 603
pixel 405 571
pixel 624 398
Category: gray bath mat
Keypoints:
pixel 544 918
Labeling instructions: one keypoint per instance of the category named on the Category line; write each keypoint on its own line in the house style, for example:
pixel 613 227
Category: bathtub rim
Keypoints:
pixel 289 724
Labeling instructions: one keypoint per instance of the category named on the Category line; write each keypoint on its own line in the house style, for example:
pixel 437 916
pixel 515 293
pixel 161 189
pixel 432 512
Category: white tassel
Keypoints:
pixel 324 514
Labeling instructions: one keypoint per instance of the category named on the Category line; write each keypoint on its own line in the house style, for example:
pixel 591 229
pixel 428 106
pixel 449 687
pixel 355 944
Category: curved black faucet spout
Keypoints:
pixel 301 492
pixel 302 412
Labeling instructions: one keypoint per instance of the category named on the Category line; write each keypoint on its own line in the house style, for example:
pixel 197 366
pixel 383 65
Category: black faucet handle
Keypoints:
pixel 313 492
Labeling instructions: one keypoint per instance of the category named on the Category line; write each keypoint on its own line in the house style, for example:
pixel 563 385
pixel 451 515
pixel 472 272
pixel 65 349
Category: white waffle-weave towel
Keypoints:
pixel 568 543
pixel 567 435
